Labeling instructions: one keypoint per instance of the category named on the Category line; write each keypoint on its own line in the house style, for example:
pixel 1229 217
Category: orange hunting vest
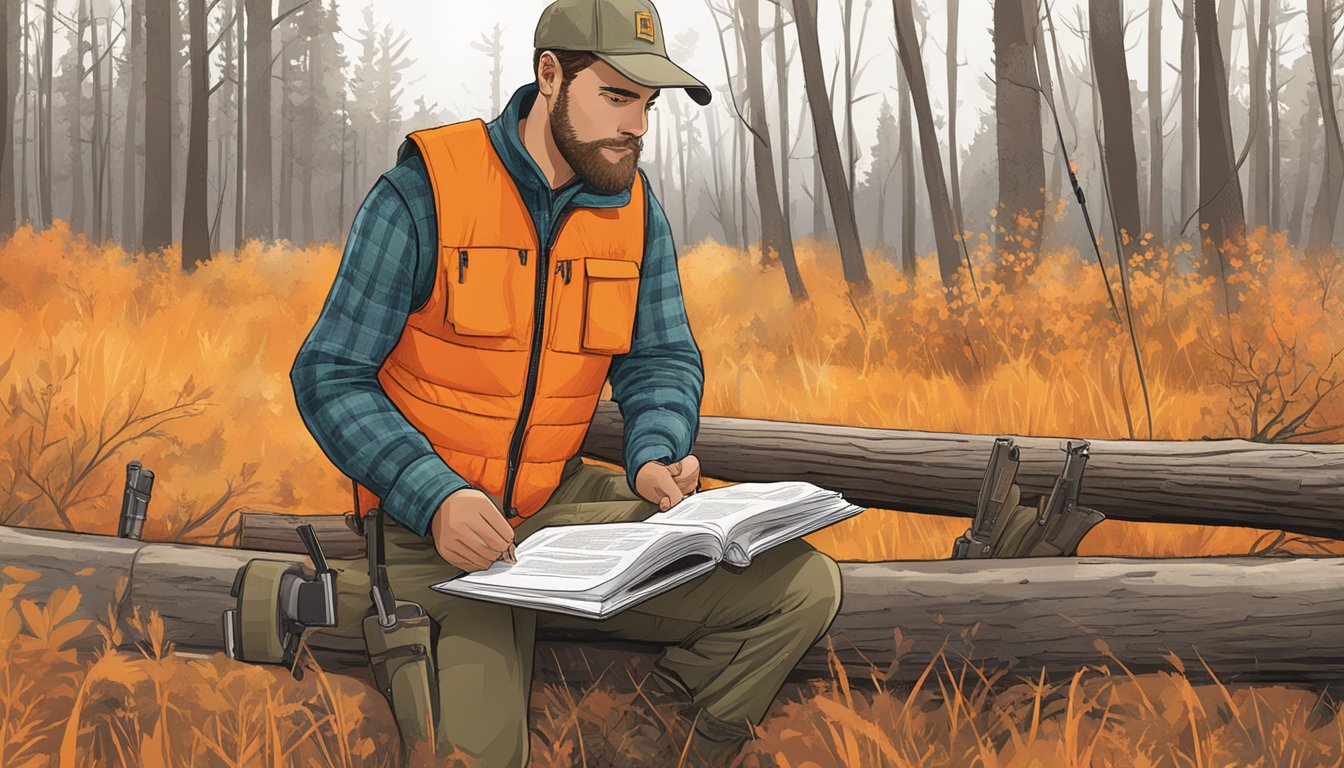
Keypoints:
pixel 461 371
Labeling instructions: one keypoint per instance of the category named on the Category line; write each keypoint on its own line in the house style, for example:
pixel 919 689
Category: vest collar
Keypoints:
pixel 503 132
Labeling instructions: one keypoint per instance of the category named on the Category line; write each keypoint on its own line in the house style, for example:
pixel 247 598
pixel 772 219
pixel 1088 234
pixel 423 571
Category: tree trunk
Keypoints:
pixel 1021 163
pixel 157 229
pixel 44 179
pixel 1275 146
pixel 75 122
pixel 1250 618
pixel 1057 172
pixel 96 145
pixel 828 149
pixel 1258 48
pixel 774 236
pixel 1281 486
pixel 907 151
pixel 309 150
pixel 8 67
pixel 195 221
pixel 285 214
pixel 953 149
pixel 25 213
pixel 1189 120
pixel 1112 76
pixel 819 189
pixel 1219 184
pixel 1320 42
pixel 258 222
pixel 130 235
pixel 1156 216
pixel 912 64
pixel 785 142
pixel 1306 136
pixel 240 149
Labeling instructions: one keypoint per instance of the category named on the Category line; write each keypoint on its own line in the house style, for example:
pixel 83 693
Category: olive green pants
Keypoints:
pixel 731 637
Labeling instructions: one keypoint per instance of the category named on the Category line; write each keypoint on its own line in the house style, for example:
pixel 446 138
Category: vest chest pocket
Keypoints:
pixel 594 309
pixel 490 294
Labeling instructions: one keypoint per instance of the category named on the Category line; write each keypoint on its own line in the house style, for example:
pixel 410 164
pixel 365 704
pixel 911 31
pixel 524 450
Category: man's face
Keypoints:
pixel 598 121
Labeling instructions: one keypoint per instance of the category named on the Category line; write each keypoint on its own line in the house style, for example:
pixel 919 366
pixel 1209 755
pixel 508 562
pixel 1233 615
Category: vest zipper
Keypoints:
pixel 534 360
pixel 565 267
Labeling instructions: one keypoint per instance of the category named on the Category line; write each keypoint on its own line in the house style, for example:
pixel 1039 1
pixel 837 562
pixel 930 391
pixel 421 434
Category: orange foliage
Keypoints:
pixel 119 356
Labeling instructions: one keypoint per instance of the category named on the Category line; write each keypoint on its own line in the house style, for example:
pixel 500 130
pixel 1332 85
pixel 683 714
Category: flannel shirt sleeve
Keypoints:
pixel 660 381
pixel 335 373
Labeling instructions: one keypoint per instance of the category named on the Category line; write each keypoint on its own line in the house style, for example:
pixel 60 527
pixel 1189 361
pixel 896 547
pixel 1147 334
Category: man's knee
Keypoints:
pixel 814 592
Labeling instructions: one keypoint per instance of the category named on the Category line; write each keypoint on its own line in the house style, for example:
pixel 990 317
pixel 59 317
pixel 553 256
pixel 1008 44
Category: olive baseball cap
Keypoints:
pixel 627 34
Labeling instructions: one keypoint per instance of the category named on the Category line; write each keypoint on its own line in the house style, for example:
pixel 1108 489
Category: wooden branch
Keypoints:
pixel 1250 619
pixel 1285 486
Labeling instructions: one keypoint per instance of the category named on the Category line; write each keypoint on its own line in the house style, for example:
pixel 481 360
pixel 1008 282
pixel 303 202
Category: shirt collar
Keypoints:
pixel 503 132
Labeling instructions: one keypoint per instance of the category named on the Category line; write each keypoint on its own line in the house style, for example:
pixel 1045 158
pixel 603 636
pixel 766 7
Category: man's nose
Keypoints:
pixel 635 125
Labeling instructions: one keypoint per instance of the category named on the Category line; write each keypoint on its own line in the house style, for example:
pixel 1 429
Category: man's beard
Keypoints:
pixel 586 158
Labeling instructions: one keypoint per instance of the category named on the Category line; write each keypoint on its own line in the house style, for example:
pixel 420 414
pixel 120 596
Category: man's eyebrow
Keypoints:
pixel 619 91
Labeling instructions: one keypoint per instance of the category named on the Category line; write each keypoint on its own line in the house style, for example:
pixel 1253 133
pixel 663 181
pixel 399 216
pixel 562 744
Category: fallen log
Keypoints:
pixel 1281 486
pixel 1250 619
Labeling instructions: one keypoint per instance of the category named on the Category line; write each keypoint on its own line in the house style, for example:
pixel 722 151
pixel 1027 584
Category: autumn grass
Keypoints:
pixel 107 356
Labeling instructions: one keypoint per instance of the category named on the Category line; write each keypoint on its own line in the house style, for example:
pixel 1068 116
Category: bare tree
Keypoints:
pixel 45 123
pixel 774 235
pixel 912 65
pixel 492 45
pixel 25 214
pixel 909 262
pixel 1155 133
pixel 9 33
pixel 1321 19
pixel 953 176
pixel 782 61
pixel 134 55
pixel 1018 118
pixel 1189 121
pixel 828 148
pixel 259 221
pixel 157 229
pixel 1276 146
pixel 1306 148
pixel 853 72
pixel 195 223
pixel 1221 207
pixel 1112 78
pixel 1257 48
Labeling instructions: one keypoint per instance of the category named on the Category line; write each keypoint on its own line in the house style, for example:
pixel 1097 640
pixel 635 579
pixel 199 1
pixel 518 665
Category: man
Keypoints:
pixel 493 281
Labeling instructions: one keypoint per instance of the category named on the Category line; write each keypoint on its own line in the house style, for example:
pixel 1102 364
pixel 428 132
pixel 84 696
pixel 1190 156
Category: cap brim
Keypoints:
pixel 654 71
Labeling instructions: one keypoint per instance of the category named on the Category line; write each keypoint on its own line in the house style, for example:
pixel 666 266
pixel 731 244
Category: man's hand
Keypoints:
pixel 667 484
pixel 470 532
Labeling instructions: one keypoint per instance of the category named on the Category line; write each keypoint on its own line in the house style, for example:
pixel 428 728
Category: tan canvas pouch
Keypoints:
pixel 403 669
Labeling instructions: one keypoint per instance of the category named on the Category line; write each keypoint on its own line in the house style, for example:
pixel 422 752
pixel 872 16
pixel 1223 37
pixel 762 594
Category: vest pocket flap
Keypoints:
pixel 489 292
pixel 609 316
pixel 611 268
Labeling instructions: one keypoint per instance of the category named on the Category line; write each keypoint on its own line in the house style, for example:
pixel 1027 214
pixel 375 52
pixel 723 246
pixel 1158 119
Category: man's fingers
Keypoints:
pixel 500 526
pixel 667 492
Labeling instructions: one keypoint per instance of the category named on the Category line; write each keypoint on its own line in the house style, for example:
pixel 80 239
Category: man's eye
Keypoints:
pixel 615 99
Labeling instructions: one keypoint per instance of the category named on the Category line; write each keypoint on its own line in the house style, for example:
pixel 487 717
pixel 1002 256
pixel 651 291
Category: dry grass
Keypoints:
pixel 106 357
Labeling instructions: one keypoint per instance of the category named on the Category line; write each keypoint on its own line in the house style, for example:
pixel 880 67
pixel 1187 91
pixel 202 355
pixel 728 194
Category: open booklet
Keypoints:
pixel 597 570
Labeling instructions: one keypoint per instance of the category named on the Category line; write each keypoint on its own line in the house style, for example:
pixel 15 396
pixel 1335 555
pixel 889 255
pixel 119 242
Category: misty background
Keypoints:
pixel 347 80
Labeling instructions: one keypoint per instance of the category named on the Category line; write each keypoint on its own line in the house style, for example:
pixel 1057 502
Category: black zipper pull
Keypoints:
pixel 522 256
pixel 461 265
pixel 569 270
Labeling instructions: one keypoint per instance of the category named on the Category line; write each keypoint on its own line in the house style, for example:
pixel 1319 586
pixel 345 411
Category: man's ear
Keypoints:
pixel 548 74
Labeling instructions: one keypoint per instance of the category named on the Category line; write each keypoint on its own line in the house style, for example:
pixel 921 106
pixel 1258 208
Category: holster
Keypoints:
pixel 403 669
pixel 399 637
